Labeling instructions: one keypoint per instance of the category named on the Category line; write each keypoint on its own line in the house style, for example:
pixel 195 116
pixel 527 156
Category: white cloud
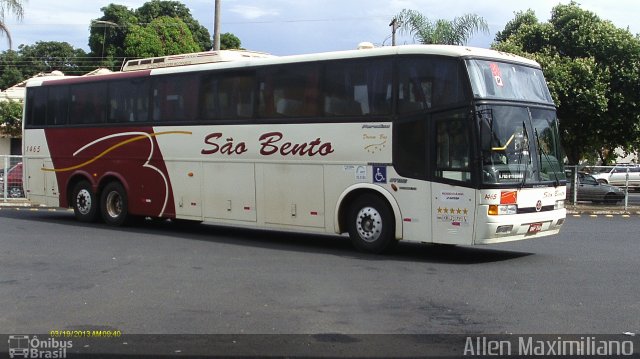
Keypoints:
pixel 253 12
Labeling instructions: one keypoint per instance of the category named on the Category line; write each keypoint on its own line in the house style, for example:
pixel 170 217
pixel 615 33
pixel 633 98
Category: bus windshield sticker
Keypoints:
pixel 497 75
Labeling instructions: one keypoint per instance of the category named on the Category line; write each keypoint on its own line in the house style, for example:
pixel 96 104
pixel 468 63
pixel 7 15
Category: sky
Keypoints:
pixel 287 27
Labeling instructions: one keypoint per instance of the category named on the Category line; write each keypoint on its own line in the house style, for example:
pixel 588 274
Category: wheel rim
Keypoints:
pixel 114 204
pixel 83 201
pixel 15 192
pixel 369 224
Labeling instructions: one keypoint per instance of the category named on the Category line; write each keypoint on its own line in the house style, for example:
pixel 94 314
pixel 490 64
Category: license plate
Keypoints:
pixel 534 228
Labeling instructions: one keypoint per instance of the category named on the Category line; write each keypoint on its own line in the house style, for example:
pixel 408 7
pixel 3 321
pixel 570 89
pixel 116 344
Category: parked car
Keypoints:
pixel 589 189
pixel 13 181
pixel 617 175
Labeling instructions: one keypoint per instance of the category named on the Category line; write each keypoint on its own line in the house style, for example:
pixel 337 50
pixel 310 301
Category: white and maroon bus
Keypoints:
pixel 437 144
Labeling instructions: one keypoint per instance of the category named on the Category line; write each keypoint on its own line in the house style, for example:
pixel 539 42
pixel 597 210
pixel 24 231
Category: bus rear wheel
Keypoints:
pixel 371 224
pixel 84 202
pixel 114 205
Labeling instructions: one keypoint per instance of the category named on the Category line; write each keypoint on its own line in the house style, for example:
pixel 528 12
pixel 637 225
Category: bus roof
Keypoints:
pixel 230 59
pixel 195 58
pixel 443 50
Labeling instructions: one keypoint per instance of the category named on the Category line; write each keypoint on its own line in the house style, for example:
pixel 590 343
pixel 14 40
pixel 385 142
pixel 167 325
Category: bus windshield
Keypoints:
pixel 500 80
pixel 519 145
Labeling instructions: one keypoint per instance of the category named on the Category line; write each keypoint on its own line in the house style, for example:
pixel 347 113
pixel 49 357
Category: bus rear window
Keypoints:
pixel 37 106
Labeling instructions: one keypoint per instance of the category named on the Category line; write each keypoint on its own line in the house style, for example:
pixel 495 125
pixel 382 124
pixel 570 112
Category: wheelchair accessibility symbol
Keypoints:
pixel 379 174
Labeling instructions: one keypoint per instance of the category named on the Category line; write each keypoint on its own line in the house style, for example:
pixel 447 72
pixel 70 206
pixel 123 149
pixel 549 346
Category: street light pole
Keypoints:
pixel 104 24
pixel 216 27
pixel 394 27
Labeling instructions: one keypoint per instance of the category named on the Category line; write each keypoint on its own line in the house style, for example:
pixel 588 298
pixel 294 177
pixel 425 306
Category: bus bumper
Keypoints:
pixel 506 228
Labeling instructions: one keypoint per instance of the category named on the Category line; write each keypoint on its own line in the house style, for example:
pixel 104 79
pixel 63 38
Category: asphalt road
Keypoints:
pixel 58 274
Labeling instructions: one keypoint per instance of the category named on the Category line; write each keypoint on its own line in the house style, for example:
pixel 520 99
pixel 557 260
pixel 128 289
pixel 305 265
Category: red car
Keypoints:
pixel 13 181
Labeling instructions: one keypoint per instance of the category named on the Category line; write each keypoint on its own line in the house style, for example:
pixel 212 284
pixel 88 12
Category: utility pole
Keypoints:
pixel 216 27
pixel 394 26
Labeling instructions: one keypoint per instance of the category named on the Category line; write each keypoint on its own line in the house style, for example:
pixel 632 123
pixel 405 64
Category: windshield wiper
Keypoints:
pixel 542 152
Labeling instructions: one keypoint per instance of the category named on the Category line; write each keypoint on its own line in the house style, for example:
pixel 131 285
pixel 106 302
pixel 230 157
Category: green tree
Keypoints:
pixel 10 118
pixel 47 56
pixel 527 18
pixel 158 8
pixel 107 34
pixel 163 36
pixel 593 70
pixel 13 6
pixel 10 73
pixel 229 41
pixel 441 31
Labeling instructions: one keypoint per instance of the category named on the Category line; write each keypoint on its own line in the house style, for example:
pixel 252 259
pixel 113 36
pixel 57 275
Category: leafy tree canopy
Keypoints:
pixel 163 36
pixel 157 8
pixel 229 41
pixel 47 56
pixel 593 71
pixel 10 118
pixel 111 34
pixel 43 56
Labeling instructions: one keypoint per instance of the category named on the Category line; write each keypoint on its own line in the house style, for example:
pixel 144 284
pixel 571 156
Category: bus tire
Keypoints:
pixel 84 202
pixel 371 224
pixel 114 204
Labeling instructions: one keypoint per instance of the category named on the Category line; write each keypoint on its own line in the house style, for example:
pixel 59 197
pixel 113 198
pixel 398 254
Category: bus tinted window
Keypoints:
pixel 37 110
pixel 58 105
pixel 175 98
pixel 129 100
pixel 492 79
pixel 357 88
pixel 88 103
pixel 452 146
pixel 410 151
pixel 229 96
pixel 289 91
pixel 427 82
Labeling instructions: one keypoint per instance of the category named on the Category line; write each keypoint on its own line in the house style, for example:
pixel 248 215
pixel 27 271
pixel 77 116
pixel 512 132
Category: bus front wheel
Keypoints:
pixel 114 204
pixel 85 203
pixel 371 224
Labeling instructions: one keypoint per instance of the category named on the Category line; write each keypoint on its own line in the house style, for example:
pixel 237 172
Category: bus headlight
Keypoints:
pixel 559 204
pixel 496 210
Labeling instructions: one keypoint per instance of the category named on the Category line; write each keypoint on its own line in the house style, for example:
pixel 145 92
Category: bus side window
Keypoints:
pixel 129 100
pixel 427 82
pixel 290 91
pixel 410 146
pixel 227 96
pixel 357 88
pixel 235 96
pixel 88 103
pixel 173 98
pixel 58 105
pixel 452 147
